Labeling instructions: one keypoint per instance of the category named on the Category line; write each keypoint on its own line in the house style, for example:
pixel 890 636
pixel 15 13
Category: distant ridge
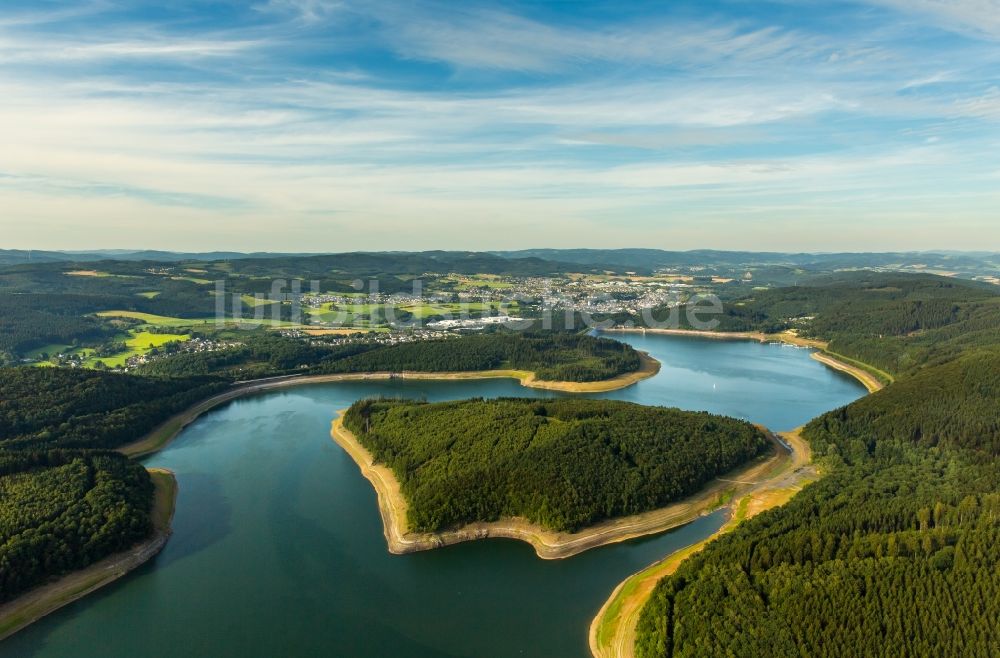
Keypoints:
pixel 18 256
pixel 784 267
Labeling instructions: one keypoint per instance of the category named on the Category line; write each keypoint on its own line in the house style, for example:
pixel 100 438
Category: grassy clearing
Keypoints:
pixel 882 375
pixel 156 320
pixel 424 310
pixel 149 294
pixel 164 498
pixel 192 279
pixel 250 300
pixel 50 350
pixel 140 342
pixel 165 321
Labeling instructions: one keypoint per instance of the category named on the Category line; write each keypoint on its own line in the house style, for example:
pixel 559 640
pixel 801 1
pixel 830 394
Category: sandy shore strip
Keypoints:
pixel 868 379
pixel 789 337
pixel 162 435
pixel 45 599
pixel 612 632
pixel 551 545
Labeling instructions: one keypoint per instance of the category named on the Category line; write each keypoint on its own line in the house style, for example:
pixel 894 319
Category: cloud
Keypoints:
pixel 291 117
pixel 977 18
pixel 31 51
pixel 490 39
pixel 304 11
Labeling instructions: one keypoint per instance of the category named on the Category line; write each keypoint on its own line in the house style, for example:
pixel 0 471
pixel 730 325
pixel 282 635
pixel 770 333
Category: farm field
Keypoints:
pixel 140 342
pixel 156 320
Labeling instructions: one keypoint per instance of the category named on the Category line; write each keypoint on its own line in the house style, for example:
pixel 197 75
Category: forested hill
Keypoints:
pixel 563 464
pixel 76 408
pixel 895 322
pixel 551 356
pixel 63 504
pixel 893 552
pixel 64 510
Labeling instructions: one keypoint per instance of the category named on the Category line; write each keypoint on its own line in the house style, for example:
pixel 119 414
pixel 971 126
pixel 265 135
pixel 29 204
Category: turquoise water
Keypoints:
pixel 278 546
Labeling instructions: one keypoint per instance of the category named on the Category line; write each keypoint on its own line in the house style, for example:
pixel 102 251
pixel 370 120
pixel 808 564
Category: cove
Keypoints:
pixel 278 546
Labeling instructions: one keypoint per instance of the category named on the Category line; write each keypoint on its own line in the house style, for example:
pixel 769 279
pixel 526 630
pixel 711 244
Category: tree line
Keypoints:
pixel 563 464
pixel 64 501
pixel 550 355
pixel 893 552
pixel 63 510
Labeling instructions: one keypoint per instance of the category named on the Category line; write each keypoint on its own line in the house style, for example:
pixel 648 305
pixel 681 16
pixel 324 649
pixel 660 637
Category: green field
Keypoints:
pixel 165 321
pixel 250 300
pixel 54 348
pixel 140 342
pixel 156 320
pixel 424 310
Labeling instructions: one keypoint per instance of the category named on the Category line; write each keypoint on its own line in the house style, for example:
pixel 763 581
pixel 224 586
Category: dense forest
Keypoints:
pixel 28 321
pixel 893 552
pixel 895 322
pixel 63 503
pixel 62 510
pixel 563 464
pixel 551 355
pixel 76 408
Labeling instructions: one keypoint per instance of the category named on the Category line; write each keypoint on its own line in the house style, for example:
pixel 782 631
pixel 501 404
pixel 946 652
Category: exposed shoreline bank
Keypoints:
pixel 169 429
pixel 867 379
pixel 551 545
pixel 612 631
pixel 46 599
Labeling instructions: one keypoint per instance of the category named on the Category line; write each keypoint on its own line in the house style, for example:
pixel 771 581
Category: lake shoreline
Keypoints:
pixel 159 437
pixel 824 356
pixel 550 545
pixel 43 600
pixel 612 631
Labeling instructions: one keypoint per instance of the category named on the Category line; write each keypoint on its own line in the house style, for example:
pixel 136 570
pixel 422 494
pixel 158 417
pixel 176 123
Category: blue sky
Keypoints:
pixel 334 125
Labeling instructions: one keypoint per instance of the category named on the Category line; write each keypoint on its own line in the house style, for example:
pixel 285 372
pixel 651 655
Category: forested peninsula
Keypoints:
pixel 559 464
pixel 550 356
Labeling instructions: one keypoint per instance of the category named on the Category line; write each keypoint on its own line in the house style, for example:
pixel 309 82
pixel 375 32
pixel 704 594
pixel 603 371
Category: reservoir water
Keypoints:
pixel 278 548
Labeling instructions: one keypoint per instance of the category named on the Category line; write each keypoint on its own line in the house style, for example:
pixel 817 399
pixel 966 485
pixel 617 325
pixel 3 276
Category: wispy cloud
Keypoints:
pixel 978 18
pixel 493 39
pixel 306 11
pixel 357 121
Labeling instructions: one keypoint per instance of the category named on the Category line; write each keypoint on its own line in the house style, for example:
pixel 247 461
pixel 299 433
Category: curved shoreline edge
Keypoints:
pixel 612 631
pixel 169 429
pixel 43 600
pixel 868 379
pixel 551 545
